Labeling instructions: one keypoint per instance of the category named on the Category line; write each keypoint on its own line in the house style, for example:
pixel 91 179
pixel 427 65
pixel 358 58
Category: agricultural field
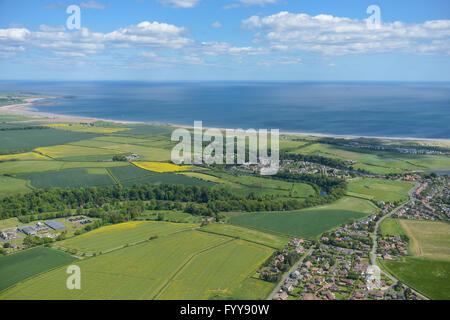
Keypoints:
pixel 150 270
pixel 25 264
pixel 69 178
pixel 23 156
pixel 33 138
pixel 161 167
pixel 70 151
pixel 217 272
pixel 264 238
pixel 379 189
pixel 263 186
pixel 9 223
pixel 391 227
pixel 94 128
pixel 430 277
pixel 167 178
pixel 428 239
pixel 117 235
pixel 9 186
pixel 308 223
pixel 21 167
pixel 378 162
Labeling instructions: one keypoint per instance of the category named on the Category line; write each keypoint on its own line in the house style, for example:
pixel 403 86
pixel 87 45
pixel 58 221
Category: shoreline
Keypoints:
pixel 26 109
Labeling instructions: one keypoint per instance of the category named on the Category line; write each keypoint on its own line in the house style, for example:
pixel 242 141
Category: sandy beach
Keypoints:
pixel 26 109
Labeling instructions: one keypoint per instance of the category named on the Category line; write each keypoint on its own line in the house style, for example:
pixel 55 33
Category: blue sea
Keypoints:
pixel 380 109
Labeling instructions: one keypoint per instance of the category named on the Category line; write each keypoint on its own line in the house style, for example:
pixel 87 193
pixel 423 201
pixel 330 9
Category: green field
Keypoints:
pixel 391 227
pixel 308 223
pixel 200 263
pixel 117 235
pixel 30 139
pixel 171 216
pixel 428 239
pixel 69 178
pixel 22 265
pixel 9 223
pixel 167 178
pixel 9 186
pixel 266 186
pixel 430 277
pixel 379 189
pixel 264 238
pixel 220 271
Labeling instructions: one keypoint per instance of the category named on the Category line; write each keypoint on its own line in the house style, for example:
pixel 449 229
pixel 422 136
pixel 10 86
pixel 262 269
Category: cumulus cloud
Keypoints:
pixel 181 3
pixel 329 35
pixel 216 24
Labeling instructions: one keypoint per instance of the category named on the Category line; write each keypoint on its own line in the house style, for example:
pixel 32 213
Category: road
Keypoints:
pixel 373 252
pixel 295 267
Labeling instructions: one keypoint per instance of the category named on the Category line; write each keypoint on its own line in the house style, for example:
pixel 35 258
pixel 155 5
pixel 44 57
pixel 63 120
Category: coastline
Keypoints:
pixel 26 109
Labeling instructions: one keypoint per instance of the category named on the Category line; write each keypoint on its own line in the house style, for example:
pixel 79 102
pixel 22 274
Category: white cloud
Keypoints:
pixel 329 35
pixel 215 48
pixel 216 24
pixel 280 61
pixel 181 3
pixel 247 3
pixel 93 5
pixel 46 28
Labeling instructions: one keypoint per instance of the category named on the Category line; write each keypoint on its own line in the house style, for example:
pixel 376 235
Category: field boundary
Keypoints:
pixel 185 264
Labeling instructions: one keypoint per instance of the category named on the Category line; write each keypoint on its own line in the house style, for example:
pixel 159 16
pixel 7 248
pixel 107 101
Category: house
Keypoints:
pixel 310 296
pixel 281 296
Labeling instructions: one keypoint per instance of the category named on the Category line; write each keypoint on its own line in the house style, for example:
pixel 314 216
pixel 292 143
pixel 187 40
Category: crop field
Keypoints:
pixel 264 238
pixel 75 127
pixel 20 167
pixel 117 235
pixel 30 139
pixel 207 177
pixel 73 178
pixel 161 167
pixel 428 239
pixel 261 186
pixel 129 172
pixel 9 186
pixel 391 227
pixel 23 156
pixel 67 151
pixel 379 162
pixel 22 265
pixel 308 223
pixel 167 178
pixel 379 189
pixel 136 272
pixel 430 277
pixel 217 272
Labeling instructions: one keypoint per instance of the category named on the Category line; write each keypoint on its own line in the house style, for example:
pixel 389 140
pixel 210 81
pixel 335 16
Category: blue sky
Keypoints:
pixel 225 40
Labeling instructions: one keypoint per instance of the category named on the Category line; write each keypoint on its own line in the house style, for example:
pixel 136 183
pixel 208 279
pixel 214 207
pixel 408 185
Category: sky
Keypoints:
pixel 200 40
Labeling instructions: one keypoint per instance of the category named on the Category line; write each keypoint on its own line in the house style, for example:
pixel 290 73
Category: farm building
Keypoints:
pixel 28 230
pixel 55 225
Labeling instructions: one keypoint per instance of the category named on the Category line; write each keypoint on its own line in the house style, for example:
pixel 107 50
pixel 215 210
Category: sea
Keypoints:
pixel 371 109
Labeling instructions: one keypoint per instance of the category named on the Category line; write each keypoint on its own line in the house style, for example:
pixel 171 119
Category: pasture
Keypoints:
pixel 117 235
pixel 430 277
pixel 263 238
pixel 22 265
pixel 379 189
pixel 308 223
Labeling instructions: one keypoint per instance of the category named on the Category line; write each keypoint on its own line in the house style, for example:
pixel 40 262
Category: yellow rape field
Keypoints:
pixel 160 166
pixel 23 156
pixel 84 128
